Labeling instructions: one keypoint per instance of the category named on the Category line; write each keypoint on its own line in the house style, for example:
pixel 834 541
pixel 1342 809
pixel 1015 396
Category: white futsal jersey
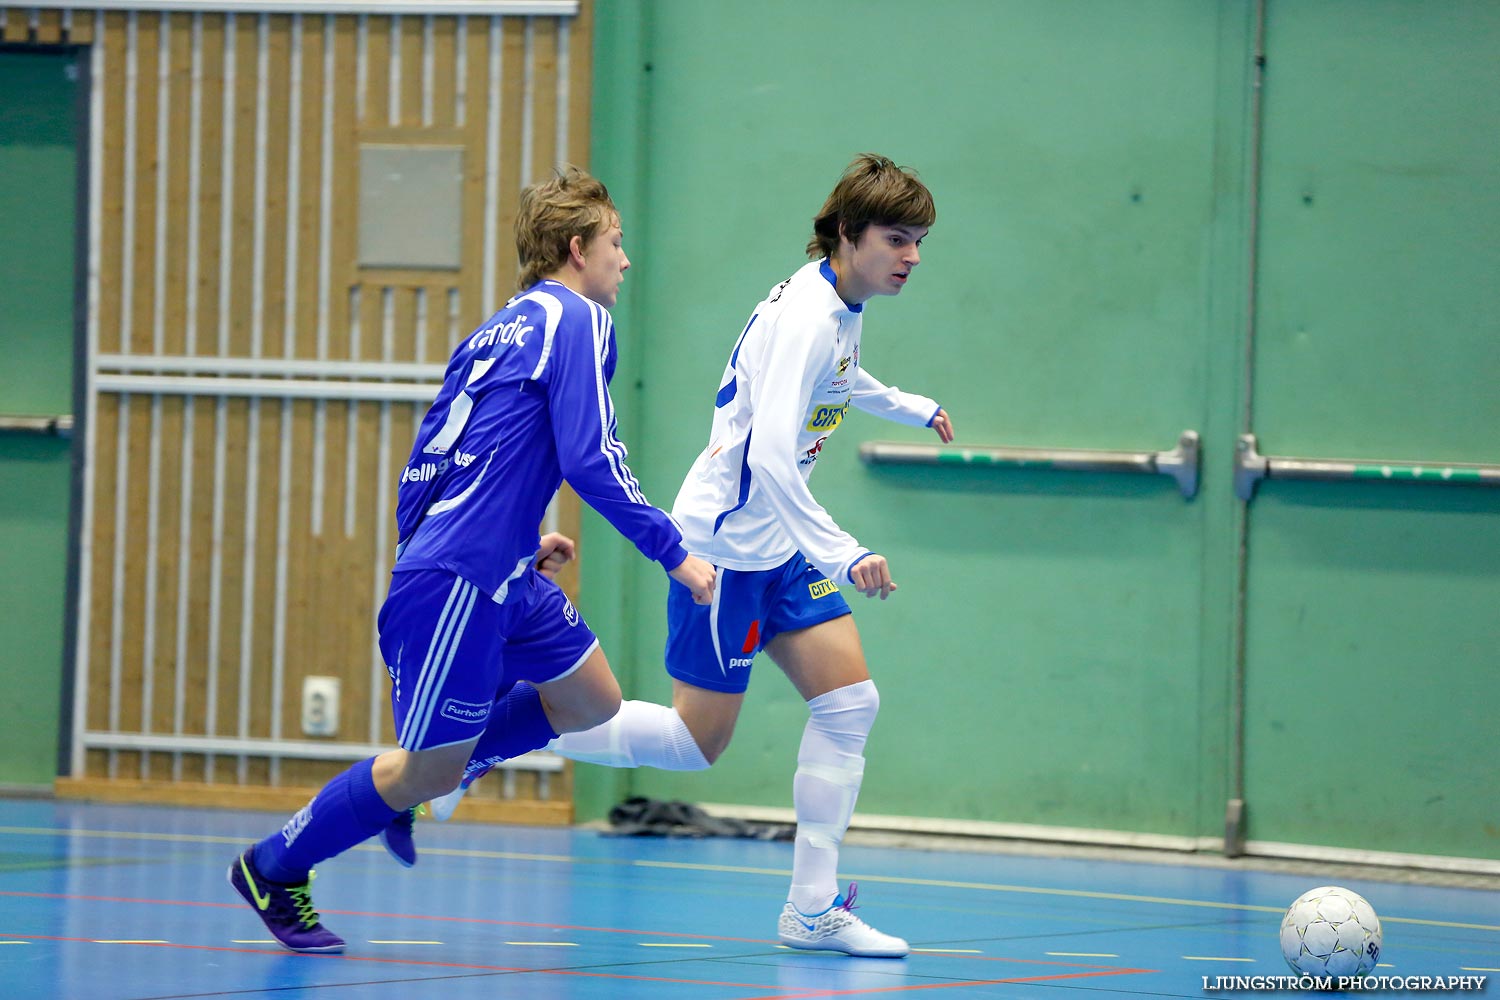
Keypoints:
pixel 745 504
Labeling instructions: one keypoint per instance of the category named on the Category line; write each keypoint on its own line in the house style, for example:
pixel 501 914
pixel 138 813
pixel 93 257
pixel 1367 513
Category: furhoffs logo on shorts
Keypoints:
pixel 465 711
pixel 569 612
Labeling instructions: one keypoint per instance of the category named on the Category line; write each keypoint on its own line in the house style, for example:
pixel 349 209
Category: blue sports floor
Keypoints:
pixel 116 902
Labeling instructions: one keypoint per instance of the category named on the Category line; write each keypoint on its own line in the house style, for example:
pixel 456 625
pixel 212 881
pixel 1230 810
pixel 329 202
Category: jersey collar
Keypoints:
pixel 826 270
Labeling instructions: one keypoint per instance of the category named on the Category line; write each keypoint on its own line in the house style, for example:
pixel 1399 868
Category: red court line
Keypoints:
pixel 949 986
pixel 279 953
pixel 1099 970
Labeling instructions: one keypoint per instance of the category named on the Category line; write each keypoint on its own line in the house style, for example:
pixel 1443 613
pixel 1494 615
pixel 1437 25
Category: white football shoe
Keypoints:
pixel 442 807
pixel 837 929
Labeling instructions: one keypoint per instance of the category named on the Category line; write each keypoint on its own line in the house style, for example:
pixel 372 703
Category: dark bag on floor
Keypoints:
pixel 643 817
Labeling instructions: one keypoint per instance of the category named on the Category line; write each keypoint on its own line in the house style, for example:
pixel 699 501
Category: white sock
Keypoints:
pixel 830 767
pixel 642 734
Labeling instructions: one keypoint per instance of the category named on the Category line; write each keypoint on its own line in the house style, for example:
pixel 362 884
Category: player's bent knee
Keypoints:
pixel 848 710
pixel 416 776
pixel 713 751
pixel 600 710
pixel 584 710
pixel 711 735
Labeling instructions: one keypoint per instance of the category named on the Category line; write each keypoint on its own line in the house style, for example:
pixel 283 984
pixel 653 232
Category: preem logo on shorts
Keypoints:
pixel 465 711
pixel 741 661
pixel 822 588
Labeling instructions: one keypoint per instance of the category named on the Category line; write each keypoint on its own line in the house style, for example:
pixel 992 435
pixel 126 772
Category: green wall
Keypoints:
pixel 38 161
pixel 1061 649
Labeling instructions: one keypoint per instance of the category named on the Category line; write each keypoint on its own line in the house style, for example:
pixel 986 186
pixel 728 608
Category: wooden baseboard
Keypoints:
pixel 199 795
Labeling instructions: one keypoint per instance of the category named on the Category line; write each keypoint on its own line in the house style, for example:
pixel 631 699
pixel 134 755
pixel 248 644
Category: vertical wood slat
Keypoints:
pixel 17 26
pixel 338 550
pixel 542 115
pixel 237 708
pixel 377 96
pixel 252 201
pixel 80 26
pixel 444 75
pixel 473 41
pixel 512 89
pixel 304 282
pixel 49 29
pixel 413 76
pixel 580 32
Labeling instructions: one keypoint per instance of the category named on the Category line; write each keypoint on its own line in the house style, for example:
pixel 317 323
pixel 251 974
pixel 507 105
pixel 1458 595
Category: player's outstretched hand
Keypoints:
pixel 943 424
pixel 697 576
pixel 556 551
pixel 872 575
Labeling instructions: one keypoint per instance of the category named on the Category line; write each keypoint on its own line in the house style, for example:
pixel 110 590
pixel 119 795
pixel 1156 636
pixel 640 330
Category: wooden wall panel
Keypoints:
pixel 241 543
pixel 48 30
pixel 17 26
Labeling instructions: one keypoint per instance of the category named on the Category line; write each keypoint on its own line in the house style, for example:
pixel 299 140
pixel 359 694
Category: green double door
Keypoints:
pixel 1063 652
pixel 1374 608
pixel 38 193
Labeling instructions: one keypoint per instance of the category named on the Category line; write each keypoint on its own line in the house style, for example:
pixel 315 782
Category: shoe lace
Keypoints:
pixel 406 818
pixel 302 901
pixel 848 900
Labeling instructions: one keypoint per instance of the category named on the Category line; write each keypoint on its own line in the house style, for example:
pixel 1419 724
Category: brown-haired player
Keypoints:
pixel 745 507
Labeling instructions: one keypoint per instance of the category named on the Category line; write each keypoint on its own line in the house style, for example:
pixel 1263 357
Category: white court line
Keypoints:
pixel 652 944
pixel 1213 958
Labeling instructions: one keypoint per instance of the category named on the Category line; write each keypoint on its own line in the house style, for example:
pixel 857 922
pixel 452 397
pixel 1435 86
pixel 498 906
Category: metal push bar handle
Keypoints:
pixel 59 426
pixel 1181 463
pixel 1250 467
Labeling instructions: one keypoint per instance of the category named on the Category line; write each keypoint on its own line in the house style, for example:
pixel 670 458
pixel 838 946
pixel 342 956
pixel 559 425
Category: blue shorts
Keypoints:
pixel 712 647
pixel 451 650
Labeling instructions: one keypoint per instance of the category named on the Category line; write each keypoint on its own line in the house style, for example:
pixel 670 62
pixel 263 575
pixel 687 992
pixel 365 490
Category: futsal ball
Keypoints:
pixel 1330 931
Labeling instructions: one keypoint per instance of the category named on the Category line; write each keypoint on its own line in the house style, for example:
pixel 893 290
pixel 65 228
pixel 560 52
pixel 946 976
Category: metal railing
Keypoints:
pixel 1180 463
pixel 1250 467
pixel 59 426
pixel 537 760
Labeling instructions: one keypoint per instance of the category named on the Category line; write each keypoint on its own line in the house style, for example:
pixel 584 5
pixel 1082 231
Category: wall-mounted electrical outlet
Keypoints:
pixel 320 706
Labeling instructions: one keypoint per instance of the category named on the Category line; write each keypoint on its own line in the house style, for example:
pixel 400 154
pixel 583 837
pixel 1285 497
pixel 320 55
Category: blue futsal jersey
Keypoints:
pixel 524 405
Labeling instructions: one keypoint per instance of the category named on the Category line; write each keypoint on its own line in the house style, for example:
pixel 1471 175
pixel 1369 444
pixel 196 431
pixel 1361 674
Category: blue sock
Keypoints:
pixel 517 725
pixel 346 812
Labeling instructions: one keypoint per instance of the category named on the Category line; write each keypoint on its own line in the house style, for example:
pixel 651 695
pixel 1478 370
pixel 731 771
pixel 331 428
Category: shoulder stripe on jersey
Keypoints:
pixel 609 444
pixel 735 357
pixel 554 310
pixel 728 390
